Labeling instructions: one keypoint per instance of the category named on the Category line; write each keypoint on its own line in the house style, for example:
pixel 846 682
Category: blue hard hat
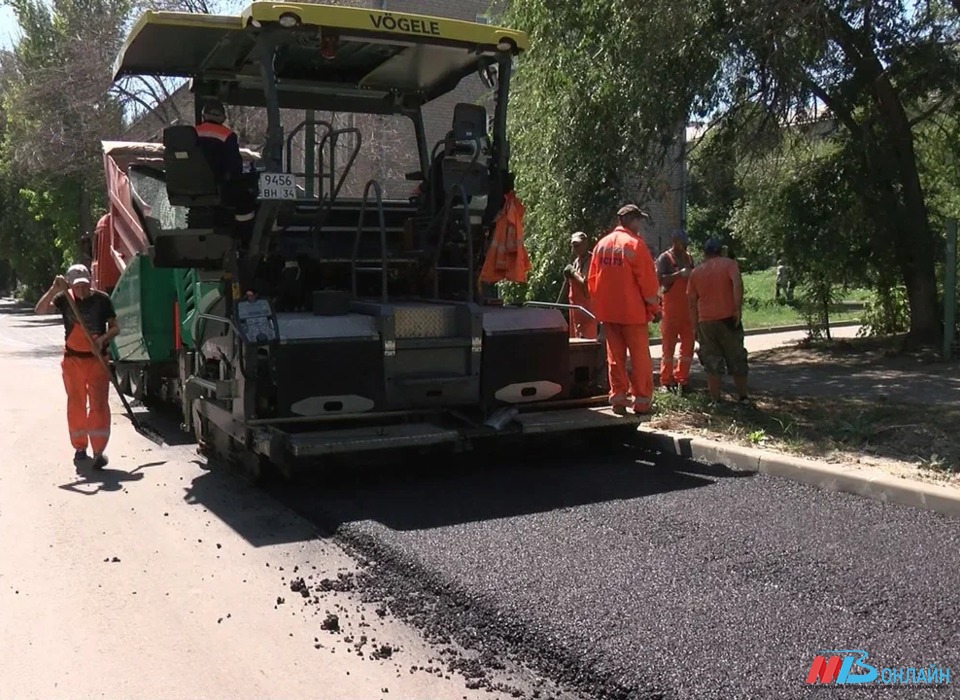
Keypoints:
pixel 713 245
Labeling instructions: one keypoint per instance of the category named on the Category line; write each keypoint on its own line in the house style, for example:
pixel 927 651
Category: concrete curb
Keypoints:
pixel 867 482
pixel 782 329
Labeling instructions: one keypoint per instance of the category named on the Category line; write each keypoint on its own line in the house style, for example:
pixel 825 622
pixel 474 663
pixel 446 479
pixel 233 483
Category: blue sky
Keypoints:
pixel 9 30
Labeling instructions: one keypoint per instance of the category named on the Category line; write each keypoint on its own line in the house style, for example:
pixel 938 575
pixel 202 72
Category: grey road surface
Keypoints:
pixel 158 578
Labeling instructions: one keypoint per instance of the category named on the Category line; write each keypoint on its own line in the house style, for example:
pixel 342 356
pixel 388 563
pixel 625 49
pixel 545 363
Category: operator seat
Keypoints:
pixel 192 182
pixel 191 179
pixel 452 163
pixel 462 163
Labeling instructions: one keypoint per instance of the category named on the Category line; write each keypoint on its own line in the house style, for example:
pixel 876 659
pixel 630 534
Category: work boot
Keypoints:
pixel 80 456
pixel 99 461
pixel 619 409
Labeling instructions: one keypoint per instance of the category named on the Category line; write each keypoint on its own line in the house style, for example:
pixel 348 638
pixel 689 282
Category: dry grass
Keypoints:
pixel 903 437
pixel 915 439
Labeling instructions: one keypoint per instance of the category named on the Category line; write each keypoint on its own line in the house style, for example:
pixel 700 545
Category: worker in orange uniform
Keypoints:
pixel 715 296
pixel 84 376
pixel 221 148
pixel 219 143
pixel 582 325
pixel 673 268
pixel 623 286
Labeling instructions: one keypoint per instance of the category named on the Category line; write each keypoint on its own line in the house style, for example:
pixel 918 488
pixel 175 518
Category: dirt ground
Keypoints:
pixel 856 401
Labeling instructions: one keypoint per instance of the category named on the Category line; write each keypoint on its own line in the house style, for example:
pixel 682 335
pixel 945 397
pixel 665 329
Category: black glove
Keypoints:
pixel 568 271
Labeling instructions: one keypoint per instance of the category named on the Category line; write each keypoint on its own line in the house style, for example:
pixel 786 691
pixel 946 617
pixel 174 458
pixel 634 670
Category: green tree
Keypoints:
pixel 604 84
pixel 798 204
pixel 57 108
pixel 596 101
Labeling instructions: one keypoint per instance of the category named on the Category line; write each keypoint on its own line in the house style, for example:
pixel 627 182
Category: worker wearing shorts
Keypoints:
pixel 715 297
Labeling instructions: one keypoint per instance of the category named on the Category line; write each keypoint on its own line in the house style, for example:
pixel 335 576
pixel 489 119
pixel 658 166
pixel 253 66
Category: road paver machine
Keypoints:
pixel 331 322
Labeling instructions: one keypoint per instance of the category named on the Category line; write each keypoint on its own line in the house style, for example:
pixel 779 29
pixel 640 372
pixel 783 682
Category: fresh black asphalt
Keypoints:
pixel 625 574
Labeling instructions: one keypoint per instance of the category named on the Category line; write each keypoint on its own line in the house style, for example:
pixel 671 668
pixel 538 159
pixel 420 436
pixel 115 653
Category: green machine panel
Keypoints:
pixel 145 300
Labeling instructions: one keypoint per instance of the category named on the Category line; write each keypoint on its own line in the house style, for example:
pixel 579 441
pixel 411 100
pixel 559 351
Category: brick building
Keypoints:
pixel 387 150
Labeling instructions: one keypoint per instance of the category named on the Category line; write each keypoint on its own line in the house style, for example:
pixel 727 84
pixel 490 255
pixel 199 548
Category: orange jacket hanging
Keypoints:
pixel 506 257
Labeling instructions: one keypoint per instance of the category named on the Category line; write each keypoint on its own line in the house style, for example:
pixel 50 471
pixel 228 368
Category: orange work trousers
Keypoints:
pixel 673 326
pixel 583 326
pixel 632 338
pixel 86 380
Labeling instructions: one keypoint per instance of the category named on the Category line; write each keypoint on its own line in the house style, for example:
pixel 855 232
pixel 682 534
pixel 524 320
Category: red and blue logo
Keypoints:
pixel 849 667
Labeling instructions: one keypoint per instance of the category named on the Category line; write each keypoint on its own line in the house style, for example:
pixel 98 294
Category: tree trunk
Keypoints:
pixel 891 165
pixel 919 279
pixel 826 311
pixel 913 238
pixel 84 203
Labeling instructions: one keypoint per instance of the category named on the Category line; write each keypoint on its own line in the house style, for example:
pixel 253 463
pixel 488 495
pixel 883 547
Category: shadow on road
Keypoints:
pixel 37 352
pixel 247 510
pixel 33 322
pixel 11 307
pixel 164 421
pixel 418 494
pixel 104 479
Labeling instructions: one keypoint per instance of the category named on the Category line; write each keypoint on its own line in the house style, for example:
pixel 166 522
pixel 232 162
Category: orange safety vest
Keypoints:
pixel 675 298
pixel 76 341
pixel 506 257
pixel 212 130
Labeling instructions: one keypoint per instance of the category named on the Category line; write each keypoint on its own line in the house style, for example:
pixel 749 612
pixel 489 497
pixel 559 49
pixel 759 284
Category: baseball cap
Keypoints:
pixel 578 237
pixel 78 274
pixel 632 210
pixel 713 245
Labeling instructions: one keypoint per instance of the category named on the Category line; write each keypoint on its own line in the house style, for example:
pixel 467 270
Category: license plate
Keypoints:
pixel 278 186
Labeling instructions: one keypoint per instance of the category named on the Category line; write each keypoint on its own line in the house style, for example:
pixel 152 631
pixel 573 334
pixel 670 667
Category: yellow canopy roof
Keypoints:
pixel 320 48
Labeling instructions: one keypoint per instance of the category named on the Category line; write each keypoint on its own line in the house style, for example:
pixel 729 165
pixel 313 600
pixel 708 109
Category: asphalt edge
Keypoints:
pixel 444 612
pixel 867 482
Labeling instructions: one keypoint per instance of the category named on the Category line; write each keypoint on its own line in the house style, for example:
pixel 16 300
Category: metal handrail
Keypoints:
pixel 555 305
pixel 296 130
pixel 383 239
pixel 336 185
pixel 447 206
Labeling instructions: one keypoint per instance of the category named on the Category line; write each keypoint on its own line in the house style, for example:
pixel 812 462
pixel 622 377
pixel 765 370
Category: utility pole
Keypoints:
pixel 950 288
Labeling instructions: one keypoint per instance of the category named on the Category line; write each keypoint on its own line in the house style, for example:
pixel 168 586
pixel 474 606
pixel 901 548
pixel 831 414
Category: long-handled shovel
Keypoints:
pixel 148 433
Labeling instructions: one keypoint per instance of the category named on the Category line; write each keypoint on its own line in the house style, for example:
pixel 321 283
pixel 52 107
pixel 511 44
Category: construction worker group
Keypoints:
pixel 619 285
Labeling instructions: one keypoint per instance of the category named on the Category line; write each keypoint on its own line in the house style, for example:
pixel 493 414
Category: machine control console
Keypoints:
pixel 256 321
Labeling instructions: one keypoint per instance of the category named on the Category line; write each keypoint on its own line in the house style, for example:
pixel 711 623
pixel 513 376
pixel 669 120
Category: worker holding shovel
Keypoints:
pixel 86 375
